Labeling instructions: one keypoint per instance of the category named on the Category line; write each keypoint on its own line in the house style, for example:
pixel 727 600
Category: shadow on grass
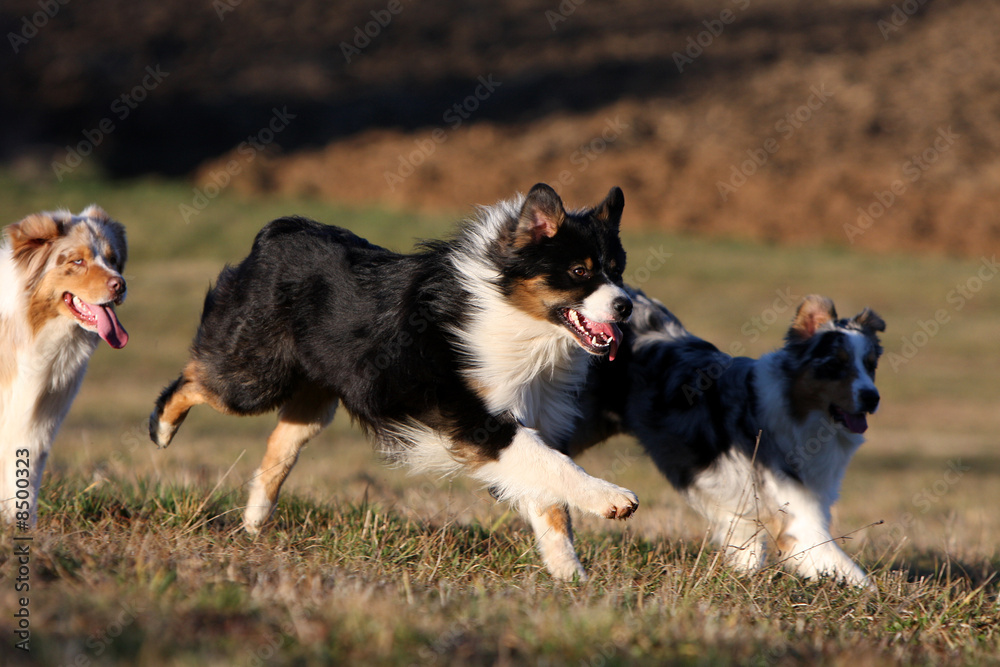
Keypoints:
pixel 944 569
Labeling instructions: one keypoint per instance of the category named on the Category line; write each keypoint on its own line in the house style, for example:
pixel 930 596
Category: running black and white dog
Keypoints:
pixel 698 411
pixel 468 355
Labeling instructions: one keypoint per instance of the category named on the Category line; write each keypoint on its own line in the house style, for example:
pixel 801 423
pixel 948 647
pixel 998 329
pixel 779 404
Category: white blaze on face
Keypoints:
pixel 599 305
pixel 98 249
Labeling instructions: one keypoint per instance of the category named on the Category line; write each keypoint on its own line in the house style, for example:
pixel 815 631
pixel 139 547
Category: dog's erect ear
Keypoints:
pixel 114 231
pixel 813 312
pixel 541 216
pixel 610 210
pixel 32 234
pixel 869 320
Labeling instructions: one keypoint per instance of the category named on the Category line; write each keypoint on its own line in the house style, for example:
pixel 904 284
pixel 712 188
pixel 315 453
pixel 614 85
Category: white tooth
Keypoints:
pixel 593 340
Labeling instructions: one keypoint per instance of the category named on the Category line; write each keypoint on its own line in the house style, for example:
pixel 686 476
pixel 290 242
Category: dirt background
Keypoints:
pixel 667 99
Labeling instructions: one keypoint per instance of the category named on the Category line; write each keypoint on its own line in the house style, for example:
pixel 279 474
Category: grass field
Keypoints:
pixel 138 558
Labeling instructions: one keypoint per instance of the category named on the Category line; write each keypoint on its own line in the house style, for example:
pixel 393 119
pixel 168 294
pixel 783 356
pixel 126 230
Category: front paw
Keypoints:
pixel 256 515
pixel 566 568
pixel 614 502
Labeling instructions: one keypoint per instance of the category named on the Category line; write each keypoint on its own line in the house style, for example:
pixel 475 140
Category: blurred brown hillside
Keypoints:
pixel 757 118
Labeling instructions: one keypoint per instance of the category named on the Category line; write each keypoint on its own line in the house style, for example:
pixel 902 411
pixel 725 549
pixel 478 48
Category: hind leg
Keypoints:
pixel 176 400
pixel 301 418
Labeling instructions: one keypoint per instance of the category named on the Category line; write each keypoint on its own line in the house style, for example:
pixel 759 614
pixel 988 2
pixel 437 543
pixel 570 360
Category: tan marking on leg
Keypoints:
pixel 557 518
pixel 198 392
pixel 554 537
pixel 185 397
pixel 299 420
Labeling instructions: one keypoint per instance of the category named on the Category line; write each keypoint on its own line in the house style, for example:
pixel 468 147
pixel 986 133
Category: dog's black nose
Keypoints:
pixel 622 306
pixel 869 399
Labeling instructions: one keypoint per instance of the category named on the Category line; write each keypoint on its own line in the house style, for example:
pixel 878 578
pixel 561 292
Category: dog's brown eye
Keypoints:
pixel 580 272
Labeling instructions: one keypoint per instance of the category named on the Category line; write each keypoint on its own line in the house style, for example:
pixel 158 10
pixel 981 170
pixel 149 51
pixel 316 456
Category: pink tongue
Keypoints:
pixel 610 330
pixel 616 336
pixel 108 326
pixel 856 423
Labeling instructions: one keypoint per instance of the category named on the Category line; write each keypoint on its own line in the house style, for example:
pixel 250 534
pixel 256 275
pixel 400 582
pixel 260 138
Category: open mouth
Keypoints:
pixel 855 422
pixel 98 317
pixel 594 337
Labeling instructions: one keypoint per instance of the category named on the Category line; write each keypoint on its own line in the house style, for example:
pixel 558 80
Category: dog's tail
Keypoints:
pixel 166 418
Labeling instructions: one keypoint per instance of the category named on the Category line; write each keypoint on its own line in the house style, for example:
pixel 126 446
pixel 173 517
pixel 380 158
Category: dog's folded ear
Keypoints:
pixel 812 313
pixel 36 229
pixel 541 216
pixel 31 235
pixel 610 210
pixel 870 320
